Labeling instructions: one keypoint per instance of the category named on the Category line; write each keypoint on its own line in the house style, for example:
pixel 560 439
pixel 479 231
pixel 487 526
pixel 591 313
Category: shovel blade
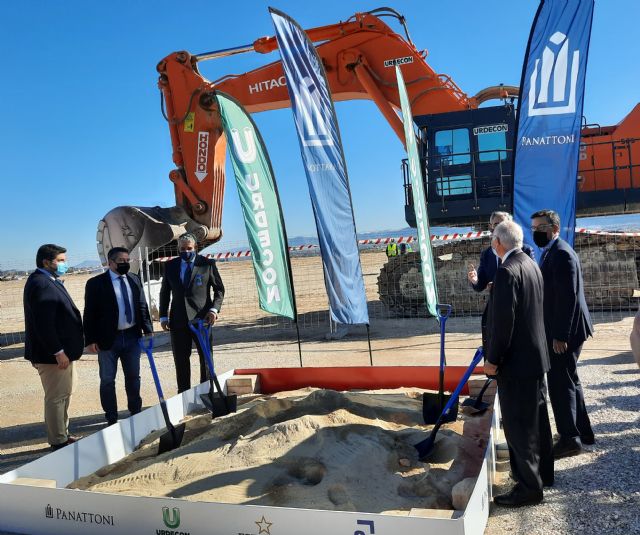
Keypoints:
pixel 478 408
pixel 172 439
pixel 220 405
pixel 431 408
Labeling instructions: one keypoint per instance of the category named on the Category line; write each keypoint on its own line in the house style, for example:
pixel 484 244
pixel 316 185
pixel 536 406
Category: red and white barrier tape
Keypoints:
pixel 402 239
pixel 605 233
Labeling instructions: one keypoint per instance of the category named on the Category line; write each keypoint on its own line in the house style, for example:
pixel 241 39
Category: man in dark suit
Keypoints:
pixel 188 283
pixel 567 324
pixel 53 339
pixel 115 316
pixel 516 353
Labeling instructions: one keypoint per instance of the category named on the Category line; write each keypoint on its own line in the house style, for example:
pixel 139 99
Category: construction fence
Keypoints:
pixel 610 266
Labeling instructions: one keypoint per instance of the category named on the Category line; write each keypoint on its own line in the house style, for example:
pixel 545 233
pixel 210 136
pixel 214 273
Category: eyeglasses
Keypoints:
pixel 541 227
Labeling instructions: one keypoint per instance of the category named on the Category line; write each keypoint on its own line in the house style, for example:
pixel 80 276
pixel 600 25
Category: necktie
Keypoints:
pixel 187 275
pixel 125 297
pixel 544 255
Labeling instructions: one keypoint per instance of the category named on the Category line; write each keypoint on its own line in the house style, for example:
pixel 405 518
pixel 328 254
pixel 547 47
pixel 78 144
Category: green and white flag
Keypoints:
pixel 419 201
pixel 261 209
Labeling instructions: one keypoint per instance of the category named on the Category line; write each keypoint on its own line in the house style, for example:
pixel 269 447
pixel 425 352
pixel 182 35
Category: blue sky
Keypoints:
pixel 83 131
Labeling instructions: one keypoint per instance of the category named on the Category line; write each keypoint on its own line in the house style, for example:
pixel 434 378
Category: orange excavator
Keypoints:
pixel 466 148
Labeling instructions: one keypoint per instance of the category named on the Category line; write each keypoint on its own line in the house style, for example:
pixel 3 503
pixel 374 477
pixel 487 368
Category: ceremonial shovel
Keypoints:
pixel 476 405
pixel 433 404
pixel 217 403
pixel 426 446
pixel 173 438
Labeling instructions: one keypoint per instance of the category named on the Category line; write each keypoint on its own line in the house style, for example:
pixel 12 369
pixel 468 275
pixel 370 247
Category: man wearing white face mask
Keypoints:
pixel 53 339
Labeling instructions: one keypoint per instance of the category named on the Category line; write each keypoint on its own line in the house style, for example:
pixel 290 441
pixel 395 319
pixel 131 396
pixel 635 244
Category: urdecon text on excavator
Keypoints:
pixel 466 149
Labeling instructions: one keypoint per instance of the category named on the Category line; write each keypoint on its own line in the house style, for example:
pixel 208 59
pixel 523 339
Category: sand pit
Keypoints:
pixel 309 448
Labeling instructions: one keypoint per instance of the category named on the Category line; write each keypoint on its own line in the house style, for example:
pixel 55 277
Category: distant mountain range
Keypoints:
pixel 86 264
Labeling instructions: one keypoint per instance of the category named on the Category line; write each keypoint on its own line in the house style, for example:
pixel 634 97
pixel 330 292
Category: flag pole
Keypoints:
pixel 369 340
pixel 299 346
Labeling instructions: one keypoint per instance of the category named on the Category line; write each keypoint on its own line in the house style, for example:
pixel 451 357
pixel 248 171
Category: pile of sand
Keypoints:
pixel 318 449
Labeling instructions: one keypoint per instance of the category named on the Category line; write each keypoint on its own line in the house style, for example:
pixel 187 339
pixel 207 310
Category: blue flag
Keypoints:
pixel 326 170
pixel 547 139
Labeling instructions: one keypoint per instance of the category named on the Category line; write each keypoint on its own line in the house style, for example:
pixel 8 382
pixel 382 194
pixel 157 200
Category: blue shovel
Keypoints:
pixel 172 439
pixel 218 403
pixel 433 404
pixel 426 446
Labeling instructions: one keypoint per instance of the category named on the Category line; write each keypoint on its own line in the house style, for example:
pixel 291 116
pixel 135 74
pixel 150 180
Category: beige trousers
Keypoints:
pixel 58 386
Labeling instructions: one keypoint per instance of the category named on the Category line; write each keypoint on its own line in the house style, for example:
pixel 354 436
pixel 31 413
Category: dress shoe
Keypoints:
pixel 588 440
pixel 518 498
pixel 566 448
pixel 70 440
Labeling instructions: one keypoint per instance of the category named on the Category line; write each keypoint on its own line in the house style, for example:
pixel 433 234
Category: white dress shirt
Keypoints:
pixel 122 318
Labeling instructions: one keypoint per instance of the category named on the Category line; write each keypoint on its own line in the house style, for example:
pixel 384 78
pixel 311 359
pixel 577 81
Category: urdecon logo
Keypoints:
pixel 171 519
pixel 247 153
pixel 202 155
pixel 548 91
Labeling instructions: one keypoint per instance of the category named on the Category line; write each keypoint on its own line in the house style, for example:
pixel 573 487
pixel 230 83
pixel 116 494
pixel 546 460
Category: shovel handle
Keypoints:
pixel 444 311
pixel 456 393
pixel 148 349
pixel 486 384
pixel 202 334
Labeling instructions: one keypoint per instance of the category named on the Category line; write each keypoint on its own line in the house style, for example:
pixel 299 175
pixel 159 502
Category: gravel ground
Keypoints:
pixel 597 492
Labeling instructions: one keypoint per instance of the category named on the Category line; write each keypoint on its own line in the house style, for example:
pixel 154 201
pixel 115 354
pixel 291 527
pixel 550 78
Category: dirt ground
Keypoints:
pixel 22 435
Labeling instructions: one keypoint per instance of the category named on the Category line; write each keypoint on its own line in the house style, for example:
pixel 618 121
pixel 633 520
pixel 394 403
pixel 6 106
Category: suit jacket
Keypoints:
pixel 566 316
pixel 52 321
pixel 489 265
pixel 194 301
pixel 101 310
pixel 515 324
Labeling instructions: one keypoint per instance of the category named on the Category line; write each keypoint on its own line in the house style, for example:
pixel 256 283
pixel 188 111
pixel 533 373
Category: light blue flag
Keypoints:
pixel 326 170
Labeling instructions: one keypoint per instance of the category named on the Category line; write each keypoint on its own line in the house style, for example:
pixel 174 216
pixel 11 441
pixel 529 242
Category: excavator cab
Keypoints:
pixel 467 163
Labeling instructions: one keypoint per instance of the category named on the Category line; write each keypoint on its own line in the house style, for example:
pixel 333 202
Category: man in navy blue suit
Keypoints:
pixel 567 325
pixel 115 316
pixel 53 339
pixel 483 277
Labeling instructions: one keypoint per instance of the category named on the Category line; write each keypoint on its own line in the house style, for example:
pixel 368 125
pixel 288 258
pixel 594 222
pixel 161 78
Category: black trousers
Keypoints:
pixel 182 340
pixel 528 432
pixel 567 397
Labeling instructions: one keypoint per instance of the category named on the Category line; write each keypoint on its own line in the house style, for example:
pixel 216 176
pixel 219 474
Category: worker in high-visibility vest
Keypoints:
pixel 405 248
pixel 392 248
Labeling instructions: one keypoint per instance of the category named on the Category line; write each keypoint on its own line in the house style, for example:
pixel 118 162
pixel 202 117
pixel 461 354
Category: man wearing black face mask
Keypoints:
pixel 567 325
pixel 188 283
pixel 115 316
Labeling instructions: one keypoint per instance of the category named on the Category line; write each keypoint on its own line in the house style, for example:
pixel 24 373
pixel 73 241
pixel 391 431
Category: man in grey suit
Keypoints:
pixel 193 286
pixel 516 352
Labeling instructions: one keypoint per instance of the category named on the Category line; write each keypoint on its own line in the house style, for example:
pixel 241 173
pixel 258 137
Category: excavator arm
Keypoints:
pixel 358 56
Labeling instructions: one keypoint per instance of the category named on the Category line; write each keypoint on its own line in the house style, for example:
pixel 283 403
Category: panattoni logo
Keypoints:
pixel 264 526
pixel 552 78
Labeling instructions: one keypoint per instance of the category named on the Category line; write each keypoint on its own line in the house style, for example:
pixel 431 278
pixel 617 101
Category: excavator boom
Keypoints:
pixel 358 56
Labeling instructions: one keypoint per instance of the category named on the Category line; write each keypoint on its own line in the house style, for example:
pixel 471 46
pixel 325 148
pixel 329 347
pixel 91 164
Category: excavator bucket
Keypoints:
pixel 136 227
